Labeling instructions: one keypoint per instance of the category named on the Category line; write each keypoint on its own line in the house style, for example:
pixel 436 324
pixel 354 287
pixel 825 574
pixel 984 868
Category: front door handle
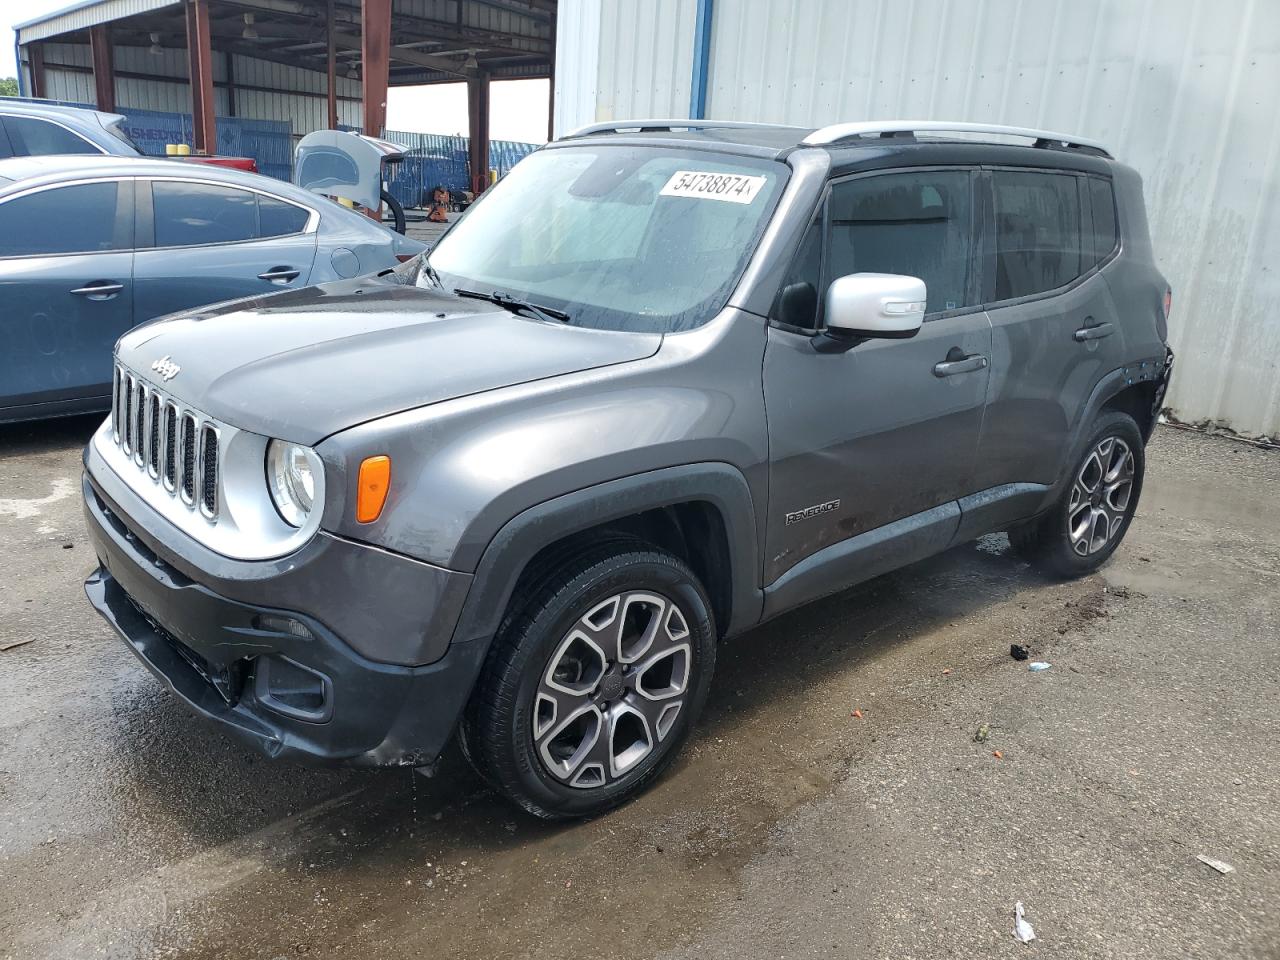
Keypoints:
pixel 280 274
pixel 99 289
pixel 949 368
pixel 1095 332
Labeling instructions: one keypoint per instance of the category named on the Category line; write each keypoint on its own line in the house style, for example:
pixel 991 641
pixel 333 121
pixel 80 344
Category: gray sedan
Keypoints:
pixel 92 246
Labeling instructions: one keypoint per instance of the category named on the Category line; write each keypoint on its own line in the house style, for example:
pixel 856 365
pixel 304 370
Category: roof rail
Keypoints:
pixel 839 132
pixel 641 126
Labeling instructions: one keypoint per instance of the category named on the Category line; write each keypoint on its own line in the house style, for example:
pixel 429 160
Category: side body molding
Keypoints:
pixel 721 485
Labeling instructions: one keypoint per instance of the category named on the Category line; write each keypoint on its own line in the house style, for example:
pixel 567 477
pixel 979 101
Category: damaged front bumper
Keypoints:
pixel 274 676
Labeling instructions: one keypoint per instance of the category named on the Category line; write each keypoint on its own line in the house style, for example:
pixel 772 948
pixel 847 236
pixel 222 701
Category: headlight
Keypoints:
pixel 292 474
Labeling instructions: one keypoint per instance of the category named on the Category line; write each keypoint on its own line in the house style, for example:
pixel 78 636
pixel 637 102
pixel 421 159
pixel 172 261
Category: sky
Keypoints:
pixel 518 108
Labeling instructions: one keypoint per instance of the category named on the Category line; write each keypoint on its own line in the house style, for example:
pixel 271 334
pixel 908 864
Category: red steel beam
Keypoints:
pixel 332 69
pixel 200 67
pixel 104 71
pixel 375 57
pixel 478 123
pixel 35 53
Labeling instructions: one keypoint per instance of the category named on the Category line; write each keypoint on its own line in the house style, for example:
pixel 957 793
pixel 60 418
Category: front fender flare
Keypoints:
pixel 519 540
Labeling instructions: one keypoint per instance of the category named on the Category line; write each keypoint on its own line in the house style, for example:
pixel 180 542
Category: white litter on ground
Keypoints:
pixel 1216 864
pixel 1022 931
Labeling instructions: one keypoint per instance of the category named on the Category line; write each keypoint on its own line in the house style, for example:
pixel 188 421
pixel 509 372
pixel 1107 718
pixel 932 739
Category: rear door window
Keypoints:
pixel 194 214
pixel 33 137
pixel 39 224
pixel 1037 232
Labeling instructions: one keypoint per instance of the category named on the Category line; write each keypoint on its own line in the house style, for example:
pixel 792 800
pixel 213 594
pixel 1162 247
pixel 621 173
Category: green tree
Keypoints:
pixel 8 87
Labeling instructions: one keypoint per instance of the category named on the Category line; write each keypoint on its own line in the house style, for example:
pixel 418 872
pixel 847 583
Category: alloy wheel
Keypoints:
pixel 612 689
pixel 1100 496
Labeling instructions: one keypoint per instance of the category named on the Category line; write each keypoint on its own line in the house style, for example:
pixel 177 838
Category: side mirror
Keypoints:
pixel 880 305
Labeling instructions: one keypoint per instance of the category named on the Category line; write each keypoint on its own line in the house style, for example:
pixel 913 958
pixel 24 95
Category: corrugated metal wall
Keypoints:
pixel 1183 90
pixel 68 76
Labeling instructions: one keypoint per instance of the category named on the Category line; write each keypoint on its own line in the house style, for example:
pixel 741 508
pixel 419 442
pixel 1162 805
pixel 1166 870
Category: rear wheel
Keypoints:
pixel 594 680
pixel 1085 526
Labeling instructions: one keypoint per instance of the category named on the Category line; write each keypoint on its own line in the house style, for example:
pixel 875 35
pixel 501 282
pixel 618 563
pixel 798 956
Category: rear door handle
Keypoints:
pixel 949 368
pixel 280 274
pixel 99 289
pixel 1095 332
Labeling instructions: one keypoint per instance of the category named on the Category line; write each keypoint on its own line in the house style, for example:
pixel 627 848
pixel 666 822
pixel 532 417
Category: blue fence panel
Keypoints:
pixel 269 142
pixel 434 160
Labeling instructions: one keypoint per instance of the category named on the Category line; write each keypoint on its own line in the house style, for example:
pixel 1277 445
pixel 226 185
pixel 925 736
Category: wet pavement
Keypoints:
pixel 788 828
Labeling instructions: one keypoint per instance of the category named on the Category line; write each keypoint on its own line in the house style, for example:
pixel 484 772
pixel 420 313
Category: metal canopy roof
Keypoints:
pixel 433 40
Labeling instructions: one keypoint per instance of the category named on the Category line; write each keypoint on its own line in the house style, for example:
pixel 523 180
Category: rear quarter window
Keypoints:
pixel 33 137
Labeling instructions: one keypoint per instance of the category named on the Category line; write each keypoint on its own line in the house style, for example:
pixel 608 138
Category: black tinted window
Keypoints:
pixel 914 224
pixel 193 213
pixel 42 223
pixel 278 219
pixel 1103 204
pixel 30 136
pixel 1037 232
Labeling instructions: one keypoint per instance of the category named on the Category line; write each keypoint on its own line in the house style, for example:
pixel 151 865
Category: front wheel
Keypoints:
pixel 1088 521
pixel 594 680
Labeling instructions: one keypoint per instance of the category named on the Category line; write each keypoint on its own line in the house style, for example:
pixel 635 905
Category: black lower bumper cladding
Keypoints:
pixel 275 678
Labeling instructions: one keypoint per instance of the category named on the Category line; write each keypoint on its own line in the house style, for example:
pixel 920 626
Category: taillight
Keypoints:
pixel 406 257
pixel 1168 302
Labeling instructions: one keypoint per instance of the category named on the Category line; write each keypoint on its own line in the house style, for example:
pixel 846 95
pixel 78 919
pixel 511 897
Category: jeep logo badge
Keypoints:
pixel 166 368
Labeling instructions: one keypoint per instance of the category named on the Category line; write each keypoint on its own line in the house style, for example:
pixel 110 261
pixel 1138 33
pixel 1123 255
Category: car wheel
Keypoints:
pixel 593 681
pixel 1088 521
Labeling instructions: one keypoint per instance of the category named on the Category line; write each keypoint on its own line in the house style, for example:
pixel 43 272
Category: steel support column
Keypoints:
pixel 478 128
pixel 104 73
pixel 204 130
pixel 701 61
pixel 332 64
pixel 375 55
pixel 35 55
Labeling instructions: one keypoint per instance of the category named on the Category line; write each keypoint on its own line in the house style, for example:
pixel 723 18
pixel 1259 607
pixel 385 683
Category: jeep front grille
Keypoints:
pixel 172 445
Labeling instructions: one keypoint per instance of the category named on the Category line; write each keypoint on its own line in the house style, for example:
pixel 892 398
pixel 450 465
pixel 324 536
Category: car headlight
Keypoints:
pixel 292 475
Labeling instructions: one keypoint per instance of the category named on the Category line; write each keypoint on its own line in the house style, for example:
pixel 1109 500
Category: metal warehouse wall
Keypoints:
pixel 1183 90
pixel 69 76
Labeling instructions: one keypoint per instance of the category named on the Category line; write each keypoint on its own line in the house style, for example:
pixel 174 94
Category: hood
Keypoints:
pixel 303 365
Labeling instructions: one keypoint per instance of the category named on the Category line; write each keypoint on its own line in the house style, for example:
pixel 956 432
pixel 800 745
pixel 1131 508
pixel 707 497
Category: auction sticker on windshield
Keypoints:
pixel 733 187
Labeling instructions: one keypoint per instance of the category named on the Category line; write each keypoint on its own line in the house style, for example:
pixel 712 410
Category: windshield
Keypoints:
pixel 617 237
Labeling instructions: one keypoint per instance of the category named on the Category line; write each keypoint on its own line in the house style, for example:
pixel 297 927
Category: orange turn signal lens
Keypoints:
pixel 374 482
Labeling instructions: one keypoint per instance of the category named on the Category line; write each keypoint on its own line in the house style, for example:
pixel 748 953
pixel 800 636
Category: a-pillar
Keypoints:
pixel 204 130
pixel 104 72
pixel 375 53
pixel 478 128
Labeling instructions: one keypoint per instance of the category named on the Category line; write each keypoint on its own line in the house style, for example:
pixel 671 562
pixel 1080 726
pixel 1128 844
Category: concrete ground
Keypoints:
pixel 790 828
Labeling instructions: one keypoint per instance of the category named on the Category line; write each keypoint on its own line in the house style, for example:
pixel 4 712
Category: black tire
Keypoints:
pixel 392 206
pixel 498 728
pixel 1048 542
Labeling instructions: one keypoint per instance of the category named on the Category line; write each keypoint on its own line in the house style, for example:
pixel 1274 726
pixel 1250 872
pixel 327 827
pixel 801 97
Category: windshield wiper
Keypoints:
pixel 515 304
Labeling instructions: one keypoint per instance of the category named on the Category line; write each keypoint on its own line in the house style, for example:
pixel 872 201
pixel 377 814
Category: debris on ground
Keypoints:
pixel 856 713
pixel 1019 652
pixel 16 643
pixel 1039 666
pixel 946 672
pixel 1023 932
pixel 997 754
pixel 983 733
pixel 1215 864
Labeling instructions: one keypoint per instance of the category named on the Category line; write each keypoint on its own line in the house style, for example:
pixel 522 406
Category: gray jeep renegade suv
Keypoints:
pixel 666 380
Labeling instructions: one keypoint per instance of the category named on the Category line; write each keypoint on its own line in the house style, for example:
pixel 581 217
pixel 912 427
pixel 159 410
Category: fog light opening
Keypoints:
pixel 289 688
